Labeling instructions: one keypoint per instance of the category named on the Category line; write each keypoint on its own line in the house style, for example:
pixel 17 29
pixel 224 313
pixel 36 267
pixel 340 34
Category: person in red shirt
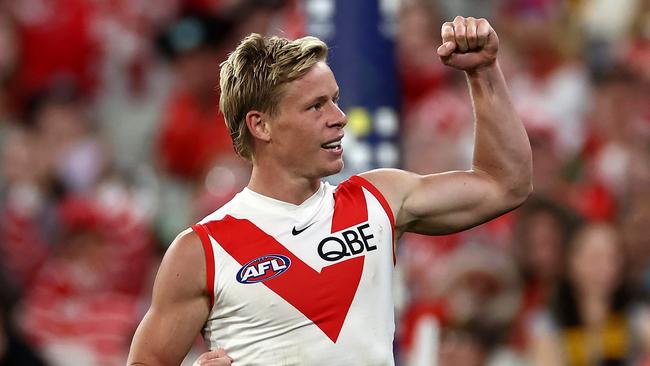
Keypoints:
pixel 193 134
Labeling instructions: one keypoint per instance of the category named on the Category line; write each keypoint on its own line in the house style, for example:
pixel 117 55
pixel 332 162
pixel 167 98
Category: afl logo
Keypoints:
pixel 263 268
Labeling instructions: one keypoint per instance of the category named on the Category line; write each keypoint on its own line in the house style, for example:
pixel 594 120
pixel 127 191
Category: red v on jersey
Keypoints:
pixel 325 298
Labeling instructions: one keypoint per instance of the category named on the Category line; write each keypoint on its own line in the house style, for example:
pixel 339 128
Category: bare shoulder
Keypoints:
pixel 394 184
pixel 387 175
pixel 185 247
pixel 179 307
pixel 183 268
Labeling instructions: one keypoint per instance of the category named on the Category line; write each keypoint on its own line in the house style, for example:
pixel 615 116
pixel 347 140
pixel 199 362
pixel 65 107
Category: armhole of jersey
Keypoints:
pixel 209 259
pixel 382 200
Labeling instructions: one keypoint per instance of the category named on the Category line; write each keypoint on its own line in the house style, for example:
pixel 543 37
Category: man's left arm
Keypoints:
pixel 501 174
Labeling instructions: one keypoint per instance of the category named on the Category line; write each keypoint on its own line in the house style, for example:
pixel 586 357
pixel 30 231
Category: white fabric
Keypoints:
pixel 256 326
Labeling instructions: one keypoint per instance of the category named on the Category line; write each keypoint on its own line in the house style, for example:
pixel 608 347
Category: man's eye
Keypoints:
pixel 316 106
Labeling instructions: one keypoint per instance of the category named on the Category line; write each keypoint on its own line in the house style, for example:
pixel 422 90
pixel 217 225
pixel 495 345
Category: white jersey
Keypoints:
pixel 307 284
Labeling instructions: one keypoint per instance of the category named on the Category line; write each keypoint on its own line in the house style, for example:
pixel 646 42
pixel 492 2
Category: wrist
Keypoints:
pixel 484 70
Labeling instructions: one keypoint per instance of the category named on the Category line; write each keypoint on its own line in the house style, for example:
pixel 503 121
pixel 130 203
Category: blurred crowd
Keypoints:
pixel 111 143
pixel 563 280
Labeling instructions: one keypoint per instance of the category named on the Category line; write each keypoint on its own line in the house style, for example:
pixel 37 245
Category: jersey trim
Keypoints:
pixel 201 231
pixel 382 200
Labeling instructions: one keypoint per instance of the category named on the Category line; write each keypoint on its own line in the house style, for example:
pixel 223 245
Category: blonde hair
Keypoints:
pixel 253 76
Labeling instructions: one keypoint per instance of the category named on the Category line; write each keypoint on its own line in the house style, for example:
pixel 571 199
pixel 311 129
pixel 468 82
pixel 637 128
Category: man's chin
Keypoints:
pixel 332 169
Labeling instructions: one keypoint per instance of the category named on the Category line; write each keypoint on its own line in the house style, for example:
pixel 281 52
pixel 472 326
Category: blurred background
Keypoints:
pixel 111 143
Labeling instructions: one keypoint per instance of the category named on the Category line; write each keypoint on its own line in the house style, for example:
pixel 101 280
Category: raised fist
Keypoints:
pixel 468 44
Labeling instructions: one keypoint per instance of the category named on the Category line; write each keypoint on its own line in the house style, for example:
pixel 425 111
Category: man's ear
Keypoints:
pixel 258 125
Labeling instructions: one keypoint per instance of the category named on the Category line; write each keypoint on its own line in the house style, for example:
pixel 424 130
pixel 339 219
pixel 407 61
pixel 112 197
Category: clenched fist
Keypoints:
pixel 468 44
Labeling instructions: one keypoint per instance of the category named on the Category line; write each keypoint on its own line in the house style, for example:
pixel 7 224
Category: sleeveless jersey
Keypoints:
pixel 307 284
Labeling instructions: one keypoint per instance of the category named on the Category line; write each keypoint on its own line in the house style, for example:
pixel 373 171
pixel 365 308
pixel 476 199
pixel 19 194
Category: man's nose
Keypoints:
pixel 339 118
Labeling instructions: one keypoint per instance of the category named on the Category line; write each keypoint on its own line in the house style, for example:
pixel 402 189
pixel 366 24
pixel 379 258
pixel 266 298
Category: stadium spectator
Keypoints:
pixel 590 320
pixel 543 229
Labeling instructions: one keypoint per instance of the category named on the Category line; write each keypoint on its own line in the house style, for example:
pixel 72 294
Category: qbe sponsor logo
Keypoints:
pixel 347 243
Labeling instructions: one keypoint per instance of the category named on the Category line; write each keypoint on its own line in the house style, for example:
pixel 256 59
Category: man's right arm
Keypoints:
pixel 179 308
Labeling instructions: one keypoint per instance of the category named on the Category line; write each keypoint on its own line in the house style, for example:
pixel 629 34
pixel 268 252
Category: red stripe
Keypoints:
pixel 382 200
pixel 350 206
pixel 209 259
pixel 324 297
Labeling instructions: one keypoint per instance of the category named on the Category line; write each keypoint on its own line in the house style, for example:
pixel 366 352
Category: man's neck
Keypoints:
pixel 281 185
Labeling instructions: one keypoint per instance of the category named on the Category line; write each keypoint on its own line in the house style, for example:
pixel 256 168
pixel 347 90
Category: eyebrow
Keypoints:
pixel 323 98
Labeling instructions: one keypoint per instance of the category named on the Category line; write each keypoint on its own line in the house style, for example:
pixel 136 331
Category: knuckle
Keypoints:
pixel 458 19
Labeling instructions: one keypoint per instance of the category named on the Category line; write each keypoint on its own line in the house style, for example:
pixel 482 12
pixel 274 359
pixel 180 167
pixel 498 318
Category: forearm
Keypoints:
pixel 502 150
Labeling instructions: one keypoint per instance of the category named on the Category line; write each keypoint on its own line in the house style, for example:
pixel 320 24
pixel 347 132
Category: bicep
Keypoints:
pixel 437 204
pixel 178 310
pixel 449 202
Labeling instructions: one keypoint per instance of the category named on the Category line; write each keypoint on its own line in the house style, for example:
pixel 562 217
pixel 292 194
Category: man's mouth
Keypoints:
pixel 333 144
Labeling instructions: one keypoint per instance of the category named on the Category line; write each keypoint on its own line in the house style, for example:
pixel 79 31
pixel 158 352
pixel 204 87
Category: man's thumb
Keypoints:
pixel 446 49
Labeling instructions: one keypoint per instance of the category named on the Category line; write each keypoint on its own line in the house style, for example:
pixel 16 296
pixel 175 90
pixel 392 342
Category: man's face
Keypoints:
pixel 307 131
